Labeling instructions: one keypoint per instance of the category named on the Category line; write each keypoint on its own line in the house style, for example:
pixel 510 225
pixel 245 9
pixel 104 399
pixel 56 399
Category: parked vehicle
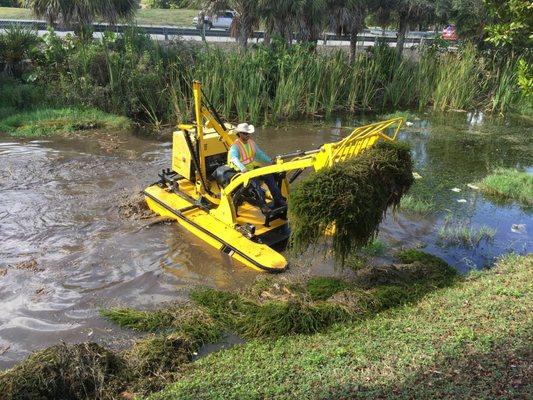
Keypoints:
pixel 449 33
pixel 222 19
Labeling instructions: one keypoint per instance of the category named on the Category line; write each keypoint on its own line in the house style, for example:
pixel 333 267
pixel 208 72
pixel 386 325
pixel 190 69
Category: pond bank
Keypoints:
pixel 439 336
pixel 470 340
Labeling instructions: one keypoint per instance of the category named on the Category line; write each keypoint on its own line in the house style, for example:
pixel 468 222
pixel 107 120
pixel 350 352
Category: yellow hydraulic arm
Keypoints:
pixel 328 154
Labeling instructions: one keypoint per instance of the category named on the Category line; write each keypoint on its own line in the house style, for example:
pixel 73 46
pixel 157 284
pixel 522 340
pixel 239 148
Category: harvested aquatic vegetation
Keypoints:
pixel 315 305
pixel 349 199
pixel 189 321
pixel 79 371
pixel 89 371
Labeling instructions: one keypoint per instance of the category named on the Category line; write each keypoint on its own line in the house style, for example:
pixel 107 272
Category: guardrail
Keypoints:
pixel 169 31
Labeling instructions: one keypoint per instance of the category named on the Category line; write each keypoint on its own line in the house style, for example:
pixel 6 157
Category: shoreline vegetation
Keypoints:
pixel 414 329
pixel 506 184
pixel 148 82
pixel 45 122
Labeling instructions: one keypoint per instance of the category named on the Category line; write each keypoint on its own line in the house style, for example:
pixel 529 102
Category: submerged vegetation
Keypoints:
pixel 46 122
pixel 509 184
pixel 350 199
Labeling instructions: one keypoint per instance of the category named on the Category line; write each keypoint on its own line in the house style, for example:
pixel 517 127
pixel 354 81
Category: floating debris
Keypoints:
pixel 456 190
pixel 518 228
pixel 416 175
pixel 472 186
pixel 135 207
pixel 30 265
pixel 461 201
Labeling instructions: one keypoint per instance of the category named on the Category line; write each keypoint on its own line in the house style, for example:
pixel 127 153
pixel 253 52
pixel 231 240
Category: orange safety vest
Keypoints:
pixel 246 151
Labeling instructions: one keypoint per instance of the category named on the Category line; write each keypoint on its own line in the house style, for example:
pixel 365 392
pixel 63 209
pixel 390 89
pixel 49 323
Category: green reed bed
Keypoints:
pixel 132 75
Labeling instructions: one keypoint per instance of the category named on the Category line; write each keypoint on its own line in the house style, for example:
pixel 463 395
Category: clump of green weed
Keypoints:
pixel 156 360
pixel 458 233
pixel 322 288
pixel 509 183
pixel 352 197
pixel 64 371
pixel 415 205
pixel 47 122
pixel 189 321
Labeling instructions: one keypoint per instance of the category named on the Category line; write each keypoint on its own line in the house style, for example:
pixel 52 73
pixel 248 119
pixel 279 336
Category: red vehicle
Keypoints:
pixel 449 33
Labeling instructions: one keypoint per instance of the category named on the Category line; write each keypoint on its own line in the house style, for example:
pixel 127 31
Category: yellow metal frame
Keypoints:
pixel 328 154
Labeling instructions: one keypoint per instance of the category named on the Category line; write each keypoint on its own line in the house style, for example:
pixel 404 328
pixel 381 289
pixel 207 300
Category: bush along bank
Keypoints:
pixel 133 76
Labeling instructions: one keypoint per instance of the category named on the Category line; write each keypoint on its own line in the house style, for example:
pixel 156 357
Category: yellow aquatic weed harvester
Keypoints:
pixel 219 205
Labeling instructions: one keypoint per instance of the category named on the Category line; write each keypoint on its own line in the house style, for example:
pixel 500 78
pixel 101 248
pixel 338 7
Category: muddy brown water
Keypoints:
pixel 60 214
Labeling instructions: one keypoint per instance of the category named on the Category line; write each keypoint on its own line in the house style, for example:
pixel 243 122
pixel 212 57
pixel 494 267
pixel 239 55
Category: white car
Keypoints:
pixel 222 19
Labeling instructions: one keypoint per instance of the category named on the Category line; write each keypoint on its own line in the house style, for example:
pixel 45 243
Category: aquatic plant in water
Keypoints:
pixel 459 233
pixel 509 183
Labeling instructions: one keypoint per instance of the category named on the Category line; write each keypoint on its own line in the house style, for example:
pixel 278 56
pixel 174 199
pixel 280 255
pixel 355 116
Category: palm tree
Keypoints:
pixel 348 17
pixel 281 17
pixel 311 19
pixel 81 13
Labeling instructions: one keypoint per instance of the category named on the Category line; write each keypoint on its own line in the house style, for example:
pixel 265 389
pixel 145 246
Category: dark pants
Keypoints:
pixel 272 186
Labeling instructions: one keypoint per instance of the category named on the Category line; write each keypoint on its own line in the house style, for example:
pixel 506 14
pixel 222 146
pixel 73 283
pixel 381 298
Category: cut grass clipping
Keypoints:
pixel 509 184
pixel 48 122
pixel 352 196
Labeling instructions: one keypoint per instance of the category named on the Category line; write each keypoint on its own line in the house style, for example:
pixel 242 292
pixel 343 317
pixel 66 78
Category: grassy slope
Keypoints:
pixel 46 122
pixel 182 17
pixel 468 341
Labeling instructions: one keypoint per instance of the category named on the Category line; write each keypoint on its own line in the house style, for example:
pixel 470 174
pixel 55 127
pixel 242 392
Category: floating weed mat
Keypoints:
pixel 277 309
pixel 352 196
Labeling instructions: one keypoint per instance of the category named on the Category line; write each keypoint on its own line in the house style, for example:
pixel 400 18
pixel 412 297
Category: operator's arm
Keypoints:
pixel 234 158
pixel 261 156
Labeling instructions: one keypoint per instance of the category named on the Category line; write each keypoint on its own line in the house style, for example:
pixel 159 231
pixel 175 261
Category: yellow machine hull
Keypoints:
pixel 201 223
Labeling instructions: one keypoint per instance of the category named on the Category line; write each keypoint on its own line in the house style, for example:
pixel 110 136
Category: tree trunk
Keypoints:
pixel 243 35
pixel 402 30
pixel 353 45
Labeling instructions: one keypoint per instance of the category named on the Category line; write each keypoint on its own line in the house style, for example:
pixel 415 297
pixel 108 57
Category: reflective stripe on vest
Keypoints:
pixel 246 151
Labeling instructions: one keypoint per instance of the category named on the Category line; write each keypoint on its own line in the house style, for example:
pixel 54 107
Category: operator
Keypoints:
pixel 245 155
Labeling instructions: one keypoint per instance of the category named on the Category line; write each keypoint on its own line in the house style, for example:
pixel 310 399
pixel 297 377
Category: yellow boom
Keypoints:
pixel 191 194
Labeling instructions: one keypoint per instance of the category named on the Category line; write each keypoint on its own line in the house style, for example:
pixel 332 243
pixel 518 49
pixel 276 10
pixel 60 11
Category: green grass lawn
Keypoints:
pixel 181 17
pixel 471 340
